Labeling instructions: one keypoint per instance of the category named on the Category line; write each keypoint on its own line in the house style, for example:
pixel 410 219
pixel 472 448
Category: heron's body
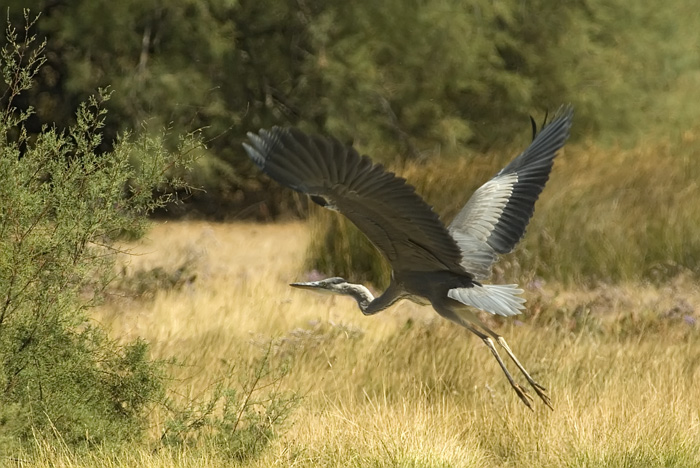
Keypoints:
pixel 431 263
pixel 414 287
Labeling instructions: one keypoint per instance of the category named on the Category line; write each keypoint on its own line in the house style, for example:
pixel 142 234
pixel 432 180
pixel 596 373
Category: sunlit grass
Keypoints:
pixel 406 388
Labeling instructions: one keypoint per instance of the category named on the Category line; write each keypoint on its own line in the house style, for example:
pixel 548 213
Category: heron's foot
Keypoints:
pixel 542 393
pixel 522 393
pixel 539 389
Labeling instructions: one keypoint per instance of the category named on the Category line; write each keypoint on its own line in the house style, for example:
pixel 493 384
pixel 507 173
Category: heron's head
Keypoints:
pixel 337 285
pixel 334 285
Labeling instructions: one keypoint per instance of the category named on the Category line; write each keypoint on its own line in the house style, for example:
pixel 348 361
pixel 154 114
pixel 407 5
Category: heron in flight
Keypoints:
pixel 443 265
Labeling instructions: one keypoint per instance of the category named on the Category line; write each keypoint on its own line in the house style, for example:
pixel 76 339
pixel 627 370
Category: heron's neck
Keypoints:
pixel 361 294
pixel 370 305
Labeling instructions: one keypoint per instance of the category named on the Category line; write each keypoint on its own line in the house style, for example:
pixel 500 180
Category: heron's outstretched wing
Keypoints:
pixel 384 207
pixel 494 219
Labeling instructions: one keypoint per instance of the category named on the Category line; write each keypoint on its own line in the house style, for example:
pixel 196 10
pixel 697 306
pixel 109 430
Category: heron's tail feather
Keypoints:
pixel 497 299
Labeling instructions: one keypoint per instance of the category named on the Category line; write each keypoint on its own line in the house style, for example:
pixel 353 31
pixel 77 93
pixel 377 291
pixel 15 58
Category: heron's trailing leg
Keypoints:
pixel 520 391
pixel 539 389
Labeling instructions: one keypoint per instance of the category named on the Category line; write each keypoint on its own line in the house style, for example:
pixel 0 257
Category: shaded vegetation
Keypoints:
pixel 415 80
pixel 146 283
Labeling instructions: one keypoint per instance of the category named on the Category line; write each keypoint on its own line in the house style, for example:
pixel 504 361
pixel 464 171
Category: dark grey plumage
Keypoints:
pixel 388 210
pixel 429 261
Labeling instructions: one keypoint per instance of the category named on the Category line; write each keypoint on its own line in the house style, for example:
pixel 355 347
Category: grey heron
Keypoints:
pixel 443 265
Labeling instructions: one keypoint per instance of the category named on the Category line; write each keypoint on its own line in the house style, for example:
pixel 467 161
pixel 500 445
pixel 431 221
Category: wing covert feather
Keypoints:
pixel 494 219
pixel 383 206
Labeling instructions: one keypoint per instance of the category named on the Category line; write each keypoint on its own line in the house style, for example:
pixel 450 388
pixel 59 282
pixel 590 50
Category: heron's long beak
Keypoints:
pixel 310 285
pixel 315 286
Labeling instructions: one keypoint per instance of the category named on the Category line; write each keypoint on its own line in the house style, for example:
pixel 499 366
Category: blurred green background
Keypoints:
pixel 422 86
pixel 401 78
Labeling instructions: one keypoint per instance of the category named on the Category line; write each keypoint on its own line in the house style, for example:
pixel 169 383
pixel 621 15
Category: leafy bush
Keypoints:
pixel 63 205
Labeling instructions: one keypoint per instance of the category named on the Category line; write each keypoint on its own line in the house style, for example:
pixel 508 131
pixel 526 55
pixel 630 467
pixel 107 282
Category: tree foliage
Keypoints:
pixel 413 78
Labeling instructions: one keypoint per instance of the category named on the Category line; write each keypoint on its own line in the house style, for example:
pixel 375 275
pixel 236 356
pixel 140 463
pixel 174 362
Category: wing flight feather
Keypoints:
pixel 494 219
pixel 383 206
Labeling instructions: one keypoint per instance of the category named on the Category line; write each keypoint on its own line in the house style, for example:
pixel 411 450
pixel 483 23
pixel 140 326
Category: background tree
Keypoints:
pixel 411 79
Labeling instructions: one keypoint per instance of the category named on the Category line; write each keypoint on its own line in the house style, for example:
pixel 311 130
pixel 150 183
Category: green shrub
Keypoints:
pixel 63 204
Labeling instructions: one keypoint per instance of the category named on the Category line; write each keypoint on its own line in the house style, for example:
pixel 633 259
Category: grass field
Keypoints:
pixel 406 388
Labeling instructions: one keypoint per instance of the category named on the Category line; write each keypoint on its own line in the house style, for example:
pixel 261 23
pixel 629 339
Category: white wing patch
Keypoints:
pixel 496 299
pixel 476 221
pixel 477 255
pixel 484 208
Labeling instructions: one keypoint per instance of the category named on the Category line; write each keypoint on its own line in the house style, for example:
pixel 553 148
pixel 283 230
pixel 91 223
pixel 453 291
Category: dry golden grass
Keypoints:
pixel 406 388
